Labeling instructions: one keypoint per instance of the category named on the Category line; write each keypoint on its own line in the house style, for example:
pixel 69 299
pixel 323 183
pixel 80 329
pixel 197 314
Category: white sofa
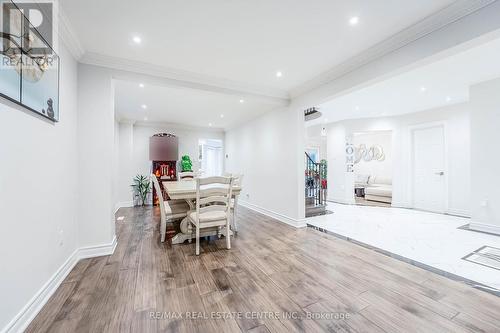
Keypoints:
pixel 376 188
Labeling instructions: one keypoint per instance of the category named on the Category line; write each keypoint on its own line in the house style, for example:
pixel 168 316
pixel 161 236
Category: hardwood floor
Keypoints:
pixel 274 279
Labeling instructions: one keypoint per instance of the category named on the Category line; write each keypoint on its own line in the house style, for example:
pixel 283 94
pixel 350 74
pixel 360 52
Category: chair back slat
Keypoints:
pixel 215 180
pixel 213 199
pixel 213 191
pixel 237 178
pixel 213 208
pixel 213 194
pixel 160 196
pixel 187 175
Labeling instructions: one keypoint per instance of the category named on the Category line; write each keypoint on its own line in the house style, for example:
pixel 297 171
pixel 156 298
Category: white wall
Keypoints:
pixel 38 194
pixel 375 169
pixel 485 160
pixel 340 182
pixel 96 138
pixel 456 120
pixel 268 152
pixel 134 150
pixel 428 48
pixel 116 161
pixel 315 140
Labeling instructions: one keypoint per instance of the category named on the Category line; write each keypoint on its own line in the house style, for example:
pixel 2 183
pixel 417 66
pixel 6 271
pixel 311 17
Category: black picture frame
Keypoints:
pixel 55 63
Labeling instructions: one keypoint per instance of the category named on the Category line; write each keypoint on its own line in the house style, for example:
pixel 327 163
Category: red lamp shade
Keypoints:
pixel 163 148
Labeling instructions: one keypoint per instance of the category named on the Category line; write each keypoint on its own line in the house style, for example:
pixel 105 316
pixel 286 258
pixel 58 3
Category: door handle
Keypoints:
pixel 441 173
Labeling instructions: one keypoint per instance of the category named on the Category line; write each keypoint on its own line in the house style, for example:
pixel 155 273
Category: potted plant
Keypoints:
pixel 141 188
pixel 186 164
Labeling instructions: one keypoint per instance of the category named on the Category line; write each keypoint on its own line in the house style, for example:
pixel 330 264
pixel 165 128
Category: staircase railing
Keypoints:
pixel 315 183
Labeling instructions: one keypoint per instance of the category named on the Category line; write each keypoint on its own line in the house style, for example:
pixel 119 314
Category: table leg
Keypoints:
pixel 188 235
pixel 235 229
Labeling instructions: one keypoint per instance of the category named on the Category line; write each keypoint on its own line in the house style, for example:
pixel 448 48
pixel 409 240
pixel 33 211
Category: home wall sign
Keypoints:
pixel 29 66
pixel 350 154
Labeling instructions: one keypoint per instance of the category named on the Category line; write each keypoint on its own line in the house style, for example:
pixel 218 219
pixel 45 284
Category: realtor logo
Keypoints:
pixel 27 27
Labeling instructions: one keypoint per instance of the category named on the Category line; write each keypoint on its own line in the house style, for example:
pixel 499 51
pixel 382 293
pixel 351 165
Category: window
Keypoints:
pixel 211 156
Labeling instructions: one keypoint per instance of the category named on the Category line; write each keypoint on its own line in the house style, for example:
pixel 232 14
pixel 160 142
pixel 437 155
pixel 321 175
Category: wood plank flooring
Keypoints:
pixel 274 279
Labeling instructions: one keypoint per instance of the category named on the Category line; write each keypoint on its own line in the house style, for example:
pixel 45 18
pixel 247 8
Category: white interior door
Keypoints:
pixel 429 179
pixel 212 161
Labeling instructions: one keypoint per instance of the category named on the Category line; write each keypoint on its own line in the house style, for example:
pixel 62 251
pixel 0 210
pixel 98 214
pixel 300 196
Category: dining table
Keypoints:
pixel 186 190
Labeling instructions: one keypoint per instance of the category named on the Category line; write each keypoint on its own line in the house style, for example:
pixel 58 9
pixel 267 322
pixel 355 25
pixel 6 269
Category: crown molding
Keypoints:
pixel 186 79
pixel 173 126
pixel 69 36
pixel 428 25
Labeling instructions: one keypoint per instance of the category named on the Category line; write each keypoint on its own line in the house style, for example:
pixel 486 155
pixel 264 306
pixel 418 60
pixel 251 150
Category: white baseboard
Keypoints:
pixel 458 212
pixel 341 200
pixel 119 205
pixel 400 204
pixel 489 228
pixel 297 223
pixel 31 309
pixel 97 251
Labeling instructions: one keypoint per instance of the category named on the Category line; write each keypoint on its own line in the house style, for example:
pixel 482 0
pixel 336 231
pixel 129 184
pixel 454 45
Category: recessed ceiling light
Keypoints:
pixel 423 89
pixel 145 118
pixel 356 108
pixel 209 124
pixel 448 99
pixel 242 101
pixel 279 74
pixel 144 106
pixel 141 85
pixel 137 39
pixel 354 20
pixel 222 116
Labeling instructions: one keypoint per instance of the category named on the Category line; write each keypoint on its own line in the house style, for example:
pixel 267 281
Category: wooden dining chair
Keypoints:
pixel 237 181
pixel 213 198
pixel 187 175
pixel 169 210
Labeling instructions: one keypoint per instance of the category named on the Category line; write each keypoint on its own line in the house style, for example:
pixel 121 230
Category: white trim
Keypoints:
pixel 459 212
pixel 182 78
pixel 428 25
pixel 69 36
pixel 297 223
pixel 341 200
pixel 21 321
pixel 98 250
pixel 177 126
pixel 123 204
pixel 483 227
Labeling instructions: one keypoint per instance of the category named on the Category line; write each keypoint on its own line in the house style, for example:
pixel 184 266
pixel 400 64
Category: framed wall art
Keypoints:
pixel 29 65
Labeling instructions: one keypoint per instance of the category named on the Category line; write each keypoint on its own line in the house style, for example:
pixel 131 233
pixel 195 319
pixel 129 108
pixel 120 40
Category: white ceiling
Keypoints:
pixel 445 82
pixel 183 106
pixel 242 41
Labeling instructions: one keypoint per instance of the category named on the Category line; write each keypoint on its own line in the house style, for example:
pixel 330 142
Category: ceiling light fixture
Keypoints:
pixel 222 116
pixel 448 99
pixel 209 124
pixel 279 74
pixel 423 89
pixel 144 106
pixel 141 85
pixel 356 108
pixel 242 101
pixel 354 20
pixel 137 39
pixel 145 118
